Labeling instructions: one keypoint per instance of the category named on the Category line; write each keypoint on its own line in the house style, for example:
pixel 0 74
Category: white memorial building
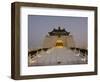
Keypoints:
pixel 58 49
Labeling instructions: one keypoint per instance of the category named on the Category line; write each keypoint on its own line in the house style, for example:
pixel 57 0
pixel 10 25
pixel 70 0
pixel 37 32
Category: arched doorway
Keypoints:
pixel 59 43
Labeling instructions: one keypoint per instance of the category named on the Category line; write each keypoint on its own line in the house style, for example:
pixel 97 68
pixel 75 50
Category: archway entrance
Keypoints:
pixel 59 44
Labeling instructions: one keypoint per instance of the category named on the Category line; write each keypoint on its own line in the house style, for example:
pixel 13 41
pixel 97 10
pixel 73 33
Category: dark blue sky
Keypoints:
pixel 39 26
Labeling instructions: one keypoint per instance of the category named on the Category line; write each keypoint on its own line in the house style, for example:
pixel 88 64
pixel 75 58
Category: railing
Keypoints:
pixel 83 53
pixel 33 52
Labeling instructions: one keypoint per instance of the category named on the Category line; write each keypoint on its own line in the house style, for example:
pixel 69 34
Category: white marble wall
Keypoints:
pixel 50 41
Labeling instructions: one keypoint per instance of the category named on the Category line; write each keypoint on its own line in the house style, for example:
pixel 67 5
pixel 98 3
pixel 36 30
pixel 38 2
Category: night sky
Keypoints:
pixel 39 26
